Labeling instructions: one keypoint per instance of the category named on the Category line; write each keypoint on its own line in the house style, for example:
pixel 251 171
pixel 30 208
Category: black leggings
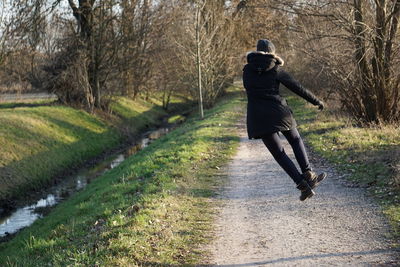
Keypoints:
pixel 274 145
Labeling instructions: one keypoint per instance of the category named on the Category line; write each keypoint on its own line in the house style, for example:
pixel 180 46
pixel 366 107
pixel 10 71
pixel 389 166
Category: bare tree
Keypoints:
pixel 212 32
pixel 199 8
pixel 170 70
pixel 138 20
pixel 380 81
pixel 4 31
pixel 352 47
pixel 118 47
pixel 17 53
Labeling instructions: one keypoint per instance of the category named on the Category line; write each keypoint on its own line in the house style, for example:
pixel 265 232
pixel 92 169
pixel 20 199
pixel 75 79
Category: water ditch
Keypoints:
pixel 27 214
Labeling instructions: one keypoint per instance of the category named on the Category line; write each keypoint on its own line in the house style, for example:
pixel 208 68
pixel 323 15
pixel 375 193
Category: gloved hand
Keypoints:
pixel 321 105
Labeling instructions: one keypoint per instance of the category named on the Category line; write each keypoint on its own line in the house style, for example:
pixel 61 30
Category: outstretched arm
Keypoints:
pixel 287 80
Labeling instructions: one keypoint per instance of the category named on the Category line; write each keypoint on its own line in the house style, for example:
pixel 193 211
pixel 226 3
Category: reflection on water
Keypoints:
pixel 117 161
pixel 81 182
pixel 25 216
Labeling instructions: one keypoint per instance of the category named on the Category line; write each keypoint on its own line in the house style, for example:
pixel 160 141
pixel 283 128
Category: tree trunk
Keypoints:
pixel 84 17
pixel 368 98
pixel 378 60
pixel 198 61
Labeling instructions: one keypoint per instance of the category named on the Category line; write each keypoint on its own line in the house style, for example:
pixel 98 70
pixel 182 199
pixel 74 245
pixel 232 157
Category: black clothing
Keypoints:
pixel 273 143
pixel 265 45
pixel 267 111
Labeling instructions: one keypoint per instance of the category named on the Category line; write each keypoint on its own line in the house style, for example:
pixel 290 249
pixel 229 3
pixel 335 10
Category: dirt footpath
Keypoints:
pixel 263 222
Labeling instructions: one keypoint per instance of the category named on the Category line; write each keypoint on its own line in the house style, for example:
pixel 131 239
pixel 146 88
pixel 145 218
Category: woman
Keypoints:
pixel 268 113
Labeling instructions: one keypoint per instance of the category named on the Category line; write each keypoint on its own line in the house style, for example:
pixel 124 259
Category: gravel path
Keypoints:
pixel 26 96
pixel 263 223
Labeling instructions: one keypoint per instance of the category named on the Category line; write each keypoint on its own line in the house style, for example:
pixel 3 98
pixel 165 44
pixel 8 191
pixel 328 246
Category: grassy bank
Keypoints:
pixel 369 156
pixel 41 140
pixel 149 211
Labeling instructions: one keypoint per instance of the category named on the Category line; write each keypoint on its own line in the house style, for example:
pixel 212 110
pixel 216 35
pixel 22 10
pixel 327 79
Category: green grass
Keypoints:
pixel 152 210
pixel 137 114
pixel 27 103
pixel 40 141
pixel 176 119
pixel 369 155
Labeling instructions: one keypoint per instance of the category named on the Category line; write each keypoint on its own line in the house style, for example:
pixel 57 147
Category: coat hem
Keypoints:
pixel 260 136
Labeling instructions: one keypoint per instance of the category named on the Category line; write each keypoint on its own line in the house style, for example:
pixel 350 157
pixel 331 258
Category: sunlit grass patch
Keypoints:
pixel 128 108
pixel 176 119
pixel 38 142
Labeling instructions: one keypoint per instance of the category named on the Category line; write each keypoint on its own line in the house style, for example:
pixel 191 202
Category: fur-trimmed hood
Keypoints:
pixel 262 61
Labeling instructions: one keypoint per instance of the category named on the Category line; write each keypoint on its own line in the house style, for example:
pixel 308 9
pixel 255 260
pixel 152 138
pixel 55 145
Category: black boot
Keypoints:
pixel 306 190
pixel 313 179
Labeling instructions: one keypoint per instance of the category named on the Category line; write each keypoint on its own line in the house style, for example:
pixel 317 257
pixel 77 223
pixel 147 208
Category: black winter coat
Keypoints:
pixel 267 110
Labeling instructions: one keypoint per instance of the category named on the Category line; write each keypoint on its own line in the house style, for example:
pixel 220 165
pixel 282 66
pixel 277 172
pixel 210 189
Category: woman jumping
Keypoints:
pixel 268 114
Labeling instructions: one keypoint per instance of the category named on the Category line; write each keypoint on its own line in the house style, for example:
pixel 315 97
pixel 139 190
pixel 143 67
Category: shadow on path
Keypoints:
pixel 306 257
pixel 292 260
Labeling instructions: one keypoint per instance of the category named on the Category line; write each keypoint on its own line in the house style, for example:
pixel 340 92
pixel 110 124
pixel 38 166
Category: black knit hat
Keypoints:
pixel 265 46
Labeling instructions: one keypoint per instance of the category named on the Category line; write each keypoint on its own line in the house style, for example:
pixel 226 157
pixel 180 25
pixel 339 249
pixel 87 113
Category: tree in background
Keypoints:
pixel 102 46
pixel 352 48
pixel 17 55
pixel 4 31
pixel 257 19
pixel 219 51
pixel 377 69
pixel 138 29
pixel 108 47
pixel 135 47
pixel 170 70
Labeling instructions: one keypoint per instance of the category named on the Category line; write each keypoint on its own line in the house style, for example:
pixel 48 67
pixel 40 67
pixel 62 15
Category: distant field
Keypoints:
pixel 13 97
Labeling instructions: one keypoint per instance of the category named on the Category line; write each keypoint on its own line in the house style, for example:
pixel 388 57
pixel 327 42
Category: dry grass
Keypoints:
pixel 369 155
